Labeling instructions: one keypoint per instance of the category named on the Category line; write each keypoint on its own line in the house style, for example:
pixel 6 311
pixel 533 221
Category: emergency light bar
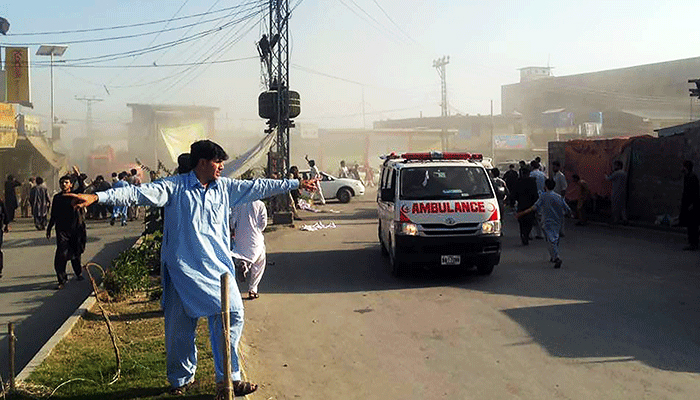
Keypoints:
pixel 437 155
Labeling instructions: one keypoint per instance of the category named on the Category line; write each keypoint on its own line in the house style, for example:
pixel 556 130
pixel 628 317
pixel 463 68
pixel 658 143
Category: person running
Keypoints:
pixel 4 228
pixel 248 221
pixel 40 202
pixel 553 209
pixel 195 254
pixel 315 175
pixel 70 233
pixel 120 211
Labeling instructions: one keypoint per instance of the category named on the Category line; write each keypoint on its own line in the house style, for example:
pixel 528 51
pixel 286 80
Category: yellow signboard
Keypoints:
pixel 17 75
pixel 8 132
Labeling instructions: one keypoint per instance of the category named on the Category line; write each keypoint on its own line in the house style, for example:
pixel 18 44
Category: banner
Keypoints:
pixel 235 168
pixel 509 142
pixel 8 132
pixel 17 75
pixel 178 139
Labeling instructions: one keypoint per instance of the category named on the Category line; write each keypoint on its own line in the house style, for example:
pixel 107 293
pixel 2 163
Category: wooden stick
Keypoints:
pixel 226 319
pixel 11 335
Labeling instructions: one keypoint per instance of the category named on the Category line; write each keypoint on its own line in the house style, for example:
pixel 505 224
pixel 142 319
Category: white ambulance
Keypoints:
pixel 438 210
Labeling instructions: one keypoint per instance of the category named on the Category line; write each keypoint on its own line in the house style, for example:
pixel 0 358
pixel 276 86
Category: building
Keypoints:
pixel 620 102
pixel 160 133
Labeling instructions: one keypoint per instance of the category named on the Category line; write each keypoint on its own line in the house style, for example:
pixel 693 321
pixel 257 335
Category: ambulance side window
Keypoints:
pixel 388 185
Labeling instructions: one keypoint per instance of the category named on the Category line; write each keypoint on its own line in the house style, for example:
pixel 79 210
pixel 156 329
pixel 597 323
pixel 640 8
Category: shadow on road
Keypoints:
pixel 624 299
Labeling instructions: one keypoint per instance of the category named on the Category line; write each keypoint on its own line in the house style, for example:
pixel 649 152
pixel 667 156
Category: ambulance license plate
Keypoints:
pixel 450 260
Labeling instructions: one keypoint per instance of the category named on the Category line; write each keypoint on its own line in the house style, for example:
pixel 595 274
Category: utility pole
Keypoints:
pixel 694 92
pixel 278 104
pixel 88 117
pixel 439 65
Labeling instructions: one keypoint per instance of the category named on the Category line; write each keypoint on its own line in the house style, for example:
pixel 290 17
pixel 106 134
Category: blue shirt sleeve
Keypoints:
pixel 150 194
pixel 249 191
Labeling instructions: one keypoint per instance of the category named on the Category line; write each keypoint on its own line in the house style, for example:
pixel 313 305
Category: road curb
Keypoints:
pixel 62 332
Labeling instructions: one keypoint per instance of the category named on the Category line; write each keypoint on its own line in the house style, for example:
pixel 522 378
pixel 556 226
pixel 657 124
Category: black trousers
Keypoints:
pixel 59 264
pixel 526 223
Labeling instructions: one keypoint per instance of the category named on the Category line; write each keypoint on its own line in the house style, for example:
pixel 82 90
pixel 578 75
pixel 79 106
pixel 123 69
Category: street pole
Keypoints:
pixel 439 64
pixel 51 68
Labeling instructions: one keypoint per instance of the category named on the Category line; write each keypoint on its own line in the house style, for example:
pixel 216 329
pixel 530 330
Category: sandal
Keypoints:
pixel 240 388
pixel 179 391
pixel 253 295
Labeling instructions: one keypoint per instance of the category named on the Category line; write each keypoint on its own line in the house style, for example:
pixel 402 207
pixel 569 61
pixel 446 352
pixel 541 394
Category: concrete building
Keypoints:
pixel 621 102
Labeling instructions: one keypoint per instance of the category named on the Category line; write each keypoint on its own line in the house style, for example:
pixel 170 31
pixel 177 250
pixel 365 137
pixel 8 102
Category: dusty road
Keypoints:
pixel 620 320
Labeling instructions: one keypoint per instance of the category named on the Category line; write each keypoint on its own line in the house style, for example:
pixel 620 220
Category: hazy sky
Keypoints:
pixel 386 47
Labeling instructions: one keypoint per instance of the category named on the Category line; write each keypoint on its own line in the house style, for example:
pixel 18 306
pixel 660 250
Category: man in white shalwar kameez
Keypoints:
pixel 248 221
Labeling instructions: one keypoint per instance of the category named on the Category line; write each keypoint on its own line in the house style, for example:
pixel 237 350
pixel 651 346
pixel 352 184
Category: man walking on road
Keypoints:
pixel 314 174
pixel 70 233
pixel 25 204
pixel 40 201
pixel 526 195
pixel 248 221
pixel 553 209
pixel 618 195
pixel 690 205
pixel 196 252
pixel 540 178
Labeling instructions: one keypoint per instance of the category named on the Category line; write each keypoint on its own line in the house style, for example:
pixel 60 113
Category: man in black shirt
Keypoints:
pixel 70 233
pixel 690 205
pixel 4 228
pixel 526 195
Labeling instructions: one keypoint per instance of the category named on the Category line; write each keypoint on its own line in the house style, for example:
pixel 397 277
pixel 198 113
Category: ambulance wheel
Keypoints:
pixel 485 268
pixel 398 266
pixel 381 242
pixel 344 195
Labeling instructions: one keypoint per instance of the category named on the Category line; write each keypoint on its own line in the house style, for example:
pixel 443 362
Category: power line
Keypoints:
pixel 393 22
pixel 366 20
pixel 131 53
pixel 131 25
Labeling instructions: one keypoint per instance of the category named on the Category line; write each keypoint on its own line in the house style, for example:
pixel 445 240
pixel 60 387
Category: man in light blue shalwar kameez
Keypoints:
pixel 195 253
pixel 553 209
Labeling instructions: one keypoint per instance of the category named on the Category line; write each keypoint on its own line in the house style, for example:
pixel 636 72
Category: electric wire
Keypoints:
pixel 131 25
pixel 394 22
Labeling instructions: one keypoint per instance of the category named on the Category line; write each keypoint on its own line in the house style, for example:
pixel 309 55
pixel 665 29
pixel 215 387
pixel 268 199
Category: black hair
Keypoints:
pixel 511 166
pixel 618 162
pixel 122 175
pixel 557 163
pixel 114 174
pixel 688 165
pixel 538 159
pixel 99 178
pixel 496 173
pixel 206 149
pixel 134 171
pixel 39 180
pixel 534 164
pixel 312 163
pixel 183 163
pixel 66 178
pixel 575 177
pixel 10 177
pixel 550 184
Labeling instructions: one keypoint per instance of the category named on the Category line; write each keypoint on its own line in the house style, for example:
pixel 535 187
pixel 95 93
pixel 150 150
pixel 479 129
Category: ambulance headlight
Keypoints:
pixel 407 228
pixel 491 228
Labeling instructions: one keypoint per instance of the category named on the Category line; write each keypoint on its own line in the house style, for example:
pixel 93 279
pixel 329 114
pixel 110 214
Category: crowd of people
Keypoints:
pixel 57 214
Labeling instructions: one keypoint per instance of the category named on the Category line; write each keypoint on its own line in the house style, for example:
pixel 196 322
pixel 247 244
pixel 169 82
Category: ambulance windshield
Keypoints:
pixel 422 183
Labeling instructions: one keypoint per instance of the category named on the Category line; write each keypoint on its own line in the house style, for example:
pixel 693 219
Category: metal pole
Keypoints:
pixel 226 319
pixel 51 68
pixel 11 335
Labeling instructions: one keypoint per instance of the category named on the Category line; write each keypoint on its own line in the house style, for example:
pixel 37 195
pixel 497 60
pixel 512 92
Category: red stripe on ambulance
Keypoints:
pixel 447 207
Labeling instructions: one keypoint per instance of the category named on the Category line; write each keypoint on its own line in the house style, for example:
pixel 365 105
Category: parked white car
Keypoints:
pixel 342 189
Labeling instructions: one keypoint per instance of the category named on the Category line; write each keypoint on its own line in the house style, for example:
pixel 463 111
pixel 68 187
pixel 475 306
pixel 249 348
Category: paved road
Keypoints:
pixel 620 319
pixel 27 289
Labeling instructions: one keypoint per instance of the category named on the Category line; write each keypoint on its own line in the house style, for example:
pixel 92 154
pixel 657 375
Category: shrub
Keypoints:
pixel 131 271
